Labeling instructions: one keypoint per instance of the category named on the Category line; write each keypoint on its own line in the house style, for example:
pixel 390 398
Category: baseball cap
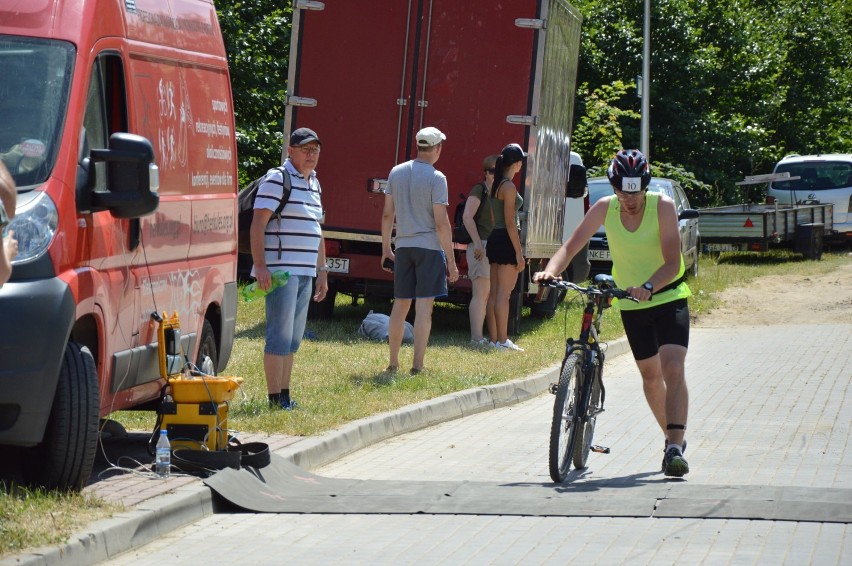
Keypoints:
pixel 428 137
pixel 303 136
pixel 513 153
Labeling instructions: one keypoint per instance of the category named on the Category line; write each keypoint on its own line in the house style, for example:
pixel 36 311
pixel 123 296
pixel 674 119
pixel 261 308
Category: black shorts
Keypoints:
pixel 419 273
pixel 648 329
pixel 499 248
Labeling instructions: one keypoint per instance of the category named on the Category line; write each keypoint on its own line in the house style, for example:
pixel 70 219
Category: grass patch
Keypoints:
pixel 338 377
pixel 34 517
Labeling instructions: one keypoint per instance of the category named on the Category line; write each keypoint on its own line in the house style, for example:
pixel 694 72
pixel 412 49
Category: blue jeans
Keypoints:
pixel 286 315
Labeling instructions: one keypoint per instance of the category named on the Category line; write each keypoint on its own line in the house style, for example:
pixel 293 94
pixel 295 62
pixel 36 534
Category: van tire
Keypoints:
pixel 65 457
pixel 208 354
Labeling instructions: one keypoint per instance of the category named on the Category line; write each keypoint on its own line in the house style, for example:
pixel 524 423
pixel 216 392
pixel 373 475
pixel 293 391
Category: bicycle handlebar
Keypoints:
pixel 591 290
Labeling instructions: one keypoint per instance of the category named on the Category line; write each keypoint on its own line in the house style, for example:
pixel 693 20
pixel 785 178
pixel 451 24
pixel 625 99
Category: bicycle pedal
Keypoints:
pixel 553 388
pixel 600 449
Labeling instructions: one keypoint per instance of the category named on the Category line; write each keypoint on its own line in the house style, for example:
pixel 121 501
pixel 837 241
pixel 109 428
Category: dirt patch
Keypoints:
pixel 786 299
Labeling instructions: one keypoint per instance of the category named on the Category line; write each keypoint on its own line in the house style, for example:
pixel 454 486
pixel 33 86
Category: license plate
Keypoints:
pixel 600 255
pixel 721 247
pixel 337 264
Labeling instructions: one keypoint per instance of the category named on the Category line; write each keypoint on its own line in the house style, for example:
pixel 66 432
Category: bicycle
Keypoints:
pixel 580 393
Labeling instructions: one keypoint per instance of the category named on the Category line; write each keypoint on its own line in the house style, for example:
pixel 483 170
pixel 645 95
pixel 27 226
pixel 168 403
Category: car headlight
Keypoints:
pixel 34 226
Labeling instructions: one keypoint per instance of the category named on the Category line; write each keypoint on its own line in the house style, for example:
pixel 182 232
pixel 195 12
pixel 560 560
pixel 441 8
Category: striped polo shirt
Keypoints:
pixel 291 243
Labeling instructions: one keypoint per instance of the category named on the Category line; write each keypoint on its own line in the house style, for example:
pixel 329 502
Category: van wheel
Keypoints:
pixel 208 356
pixel 65 457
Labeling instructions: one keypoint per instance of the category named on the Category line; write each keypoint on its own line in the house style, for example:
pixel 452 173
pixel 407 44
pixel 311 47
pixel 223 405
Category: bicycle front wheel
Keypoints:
pixel 563 429
pixel 586 423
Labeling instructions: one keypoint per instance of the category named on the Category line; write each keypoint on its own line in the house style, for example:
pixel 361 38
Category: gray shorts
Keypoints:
pixel 477 268
pixel 419 273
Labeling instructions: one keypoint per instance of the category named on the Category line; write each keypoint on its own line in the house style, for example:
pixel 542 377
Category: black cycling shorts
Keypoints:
pixel 648 329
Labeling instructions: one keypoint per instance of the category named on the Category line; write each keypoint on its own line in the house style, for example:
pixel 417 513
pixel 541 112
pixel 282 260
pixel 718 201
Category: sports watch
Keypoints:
pixel 649 286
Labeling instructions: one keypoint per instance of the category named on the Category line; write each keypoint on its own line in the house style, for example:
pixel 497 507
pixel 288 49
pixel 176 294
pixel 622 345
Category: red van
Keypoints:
pixel 118 129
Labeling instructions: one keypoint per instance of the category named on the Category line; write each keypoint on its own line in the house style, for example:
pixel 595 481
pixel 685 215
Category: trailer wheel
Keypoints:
pixel 516 306
pixel 324 309
pixel 208 354
pixel 547 308
pixel 65 456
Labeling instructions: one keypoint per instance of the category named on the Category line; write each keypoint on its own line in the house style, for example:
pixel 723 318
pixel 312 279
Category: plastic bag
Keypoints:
pixel 375 327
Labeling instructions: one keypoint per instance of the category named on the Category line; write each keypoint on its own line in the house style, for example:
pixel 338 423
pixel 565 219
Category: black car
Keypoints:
pixel 599 256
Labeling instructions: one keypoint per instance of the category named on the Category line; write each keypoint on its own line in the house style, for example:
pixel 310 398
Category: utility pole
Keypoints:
pixel 646 83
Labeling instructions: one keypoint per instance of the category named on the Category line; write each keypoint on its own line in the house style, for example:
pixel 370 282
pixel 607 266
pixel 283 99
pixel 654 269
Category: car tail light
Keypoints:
pixel 332 248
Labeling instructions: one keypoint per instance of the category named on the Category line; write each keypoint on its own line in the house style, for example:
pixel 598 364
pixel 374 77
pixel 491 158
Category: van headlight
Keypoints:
pixel 34 226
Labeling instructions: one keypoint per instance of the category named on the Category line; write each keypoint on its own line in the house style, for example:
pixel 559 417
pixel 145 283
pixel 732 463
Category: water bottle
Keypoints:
pixel 253 290
pixel 163 461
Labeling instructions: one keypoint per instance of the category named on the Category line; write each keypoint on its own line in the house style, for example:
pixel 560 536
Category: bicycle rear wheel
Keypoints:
pixel 563 428
pixel 586 423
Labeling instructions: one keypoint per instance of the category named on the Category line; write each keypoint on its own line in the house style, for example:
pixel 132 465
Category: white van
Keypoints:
pixel 823 179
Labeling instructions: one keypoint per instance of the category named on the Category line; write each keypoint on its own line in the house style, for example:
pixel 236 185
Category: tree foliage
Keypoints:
pixel 735 84
pixel 257 39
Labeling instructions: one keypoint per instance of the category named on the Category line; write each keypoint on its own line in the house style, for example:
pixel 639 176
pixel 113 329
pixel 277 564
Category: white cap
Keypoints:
pixel 428 137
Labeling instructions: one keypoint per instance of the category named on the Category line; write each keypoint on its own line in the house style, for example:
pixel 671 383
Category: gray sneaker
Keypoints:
pixel 665 447
pixel 675 464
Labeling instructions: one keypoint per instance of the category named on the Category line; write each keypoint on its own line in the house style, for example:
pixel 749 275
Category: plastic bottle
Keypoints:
pixel 253 291
pixel 163 462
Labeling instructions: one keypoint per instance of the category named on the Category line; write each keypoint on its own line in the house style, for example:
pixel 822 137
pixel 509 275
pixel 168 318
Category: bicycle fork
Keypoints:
pixel 592 372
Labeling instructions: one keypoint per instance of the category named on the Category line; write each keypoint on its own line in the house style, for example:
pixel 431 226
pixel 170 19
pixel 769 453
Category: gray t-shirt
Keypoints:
pixel 415 186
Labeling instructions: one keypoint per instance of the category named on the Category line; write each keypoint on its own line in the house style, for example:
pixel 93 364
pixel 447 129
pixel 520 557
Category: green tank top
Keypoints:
pixel 636 256
pixel 497 207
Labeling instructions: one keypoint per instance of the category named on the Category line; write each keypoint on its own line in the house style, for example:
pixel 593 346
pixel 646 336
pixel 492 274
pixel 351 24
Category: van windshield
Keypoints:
pixel 815 176
pixel 36 77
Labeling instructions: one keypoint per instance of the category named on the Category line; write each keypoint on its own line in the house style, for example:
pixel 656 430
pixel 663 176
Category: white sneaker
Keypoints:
pixel 509 345
pixel 481 343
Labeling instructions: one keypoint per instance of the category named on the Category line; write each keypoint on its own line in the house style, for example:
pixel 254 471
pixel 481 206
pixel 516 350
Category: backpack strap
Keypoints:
pixel 483 201
pixel 286 189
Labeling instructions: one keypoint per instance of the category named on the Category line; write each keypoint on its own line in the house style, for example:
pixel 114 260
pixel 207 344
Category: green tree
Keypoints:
pixel 257 39
pixel 598 133
pixel 734 85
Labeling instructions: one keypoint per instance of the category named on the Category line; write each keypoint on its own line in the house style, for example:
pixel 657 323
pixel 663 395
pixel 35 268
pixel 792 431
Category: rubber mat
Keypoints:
pixel 283 487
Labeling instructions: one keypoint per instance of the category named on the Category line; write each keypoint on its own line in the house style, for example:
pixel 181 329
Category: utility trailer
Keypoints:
pixel 761 227
pixel 367 76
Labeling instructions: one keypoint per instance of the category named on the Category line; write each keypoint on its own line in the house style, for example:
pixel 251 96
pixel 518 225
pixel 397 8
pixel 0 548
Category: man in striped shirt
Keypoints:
pixel 293 243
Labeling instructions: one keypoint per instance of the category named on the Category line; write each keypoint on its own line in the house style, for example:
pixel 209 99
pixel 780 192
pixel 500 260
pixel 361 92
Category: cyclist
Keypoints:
pixel 644 241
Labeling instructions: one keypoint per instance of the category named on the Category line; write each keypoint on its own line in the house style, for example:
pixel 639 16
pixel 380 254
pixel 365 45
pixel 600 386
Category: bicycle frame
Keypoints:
pixel 588 342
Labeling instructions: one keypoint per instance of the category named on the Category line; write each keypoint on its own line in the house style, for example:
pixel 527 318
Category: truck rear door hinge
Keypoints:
pixel 301 101
pixel 531 23
pixel 401 102
pixel 522 120
pixel 309 5
pixel 422 103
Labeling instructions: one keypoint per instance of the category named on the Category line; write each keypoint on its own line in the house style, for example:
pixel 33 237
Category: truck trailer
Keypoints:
pixel 486 74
